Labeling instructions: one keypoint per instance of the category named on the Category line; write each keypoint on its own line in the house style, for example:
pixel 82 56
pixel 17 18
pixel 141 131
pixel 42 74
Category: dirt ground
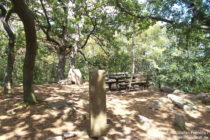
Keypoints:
pixel 39 122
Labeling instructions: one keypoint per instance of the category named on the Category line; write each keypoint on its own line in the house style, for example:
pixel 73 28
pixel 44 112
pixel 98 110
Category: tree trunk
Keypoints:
pixel 10 55
pixel 73 57
pixel 61 65
pixel 31 46
pixel 10 63
pixel 133 56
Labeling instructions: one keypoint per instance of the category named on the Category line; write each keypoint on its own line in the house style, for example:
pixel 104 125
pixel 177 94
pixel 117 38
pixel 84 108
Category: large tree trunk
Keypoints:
pixel 31 46
pixel 10 55
pixel 61 66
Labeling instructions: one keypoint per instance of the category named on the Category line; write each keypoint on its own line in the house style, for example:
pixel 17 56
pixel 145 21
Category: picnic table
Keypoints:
pixel 125 80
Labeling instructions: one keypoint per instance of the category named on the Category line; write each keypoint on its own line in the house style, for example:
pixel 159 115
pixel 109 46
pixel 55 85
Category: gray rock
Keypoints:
pixel 141 119
pixel 167 89
pixel 144 122
pixel 83 117
pixel 70 102
pixel 187 108
pixel 206 100
pixel 180 102
pixel 75 76
pixel 164 100
pixel 58 104
pixel 179 121
pixel 70 111
pixel 55 138
pixel 154 105
pixel 178 92
pixel 125 121
pixel 69 134
pixel 157 104
pixel 201 96
pixel 64 82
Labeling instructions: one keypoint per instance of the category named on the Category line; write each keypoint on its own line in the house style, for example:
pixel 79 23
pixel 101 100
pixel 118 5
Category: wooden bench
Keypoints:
pixel 110 82
pixel 115 78
pixel 125 81
pixel 136 79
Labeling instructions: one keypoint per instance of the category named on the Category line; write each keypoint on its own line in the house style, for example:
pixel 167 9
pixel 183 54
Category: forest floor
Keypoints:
pixel 52 118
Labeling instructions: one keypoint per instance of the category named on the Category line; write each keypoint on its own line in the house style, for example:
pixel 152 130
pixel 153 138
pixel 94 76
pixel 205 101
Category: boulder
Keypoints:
pixel 181 103
pixel 179 121
pixel 75 76
pixel 187 108
pixel 178 101
pixel 206 100
pixel 141 119
pixel 144 122
pixel 167 89
pixel 125 121
pixel 64 82
pixel 59 104
pixel 164 100
pixel 55 138
pixel 154 105
pixel 178 92
pixel 201 96
pixel 69 134
pixel 70 102
pixel 69 111
pixel 157 104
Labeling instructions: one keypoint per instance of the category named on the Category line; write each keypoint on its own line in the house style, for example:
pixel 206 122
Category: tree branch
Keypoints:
pixel 86 58
pixel 9 13
pixel 100 43
pixel 123 9
pixel 46 32
pixel 91 32
pixel 3 11
pixel 5 17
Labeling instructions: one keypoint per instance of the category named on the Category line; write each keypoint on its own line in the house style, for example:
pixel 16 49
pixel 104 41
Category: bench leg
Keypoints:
pixel 110 86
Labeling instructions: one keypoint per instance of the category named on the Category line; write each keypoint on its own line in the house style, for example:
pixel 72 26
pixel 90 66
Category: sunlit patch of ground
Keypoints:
pixel 40 121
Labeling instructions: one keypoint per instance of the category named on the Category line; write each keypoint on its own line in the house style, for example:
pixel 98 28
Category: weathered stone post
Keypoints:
pixel 97 103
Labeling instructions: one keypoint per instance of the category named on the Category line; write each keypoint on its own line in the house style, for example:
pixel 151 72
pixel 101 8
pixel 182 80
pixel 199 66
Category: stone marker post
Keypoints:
pixel 97 103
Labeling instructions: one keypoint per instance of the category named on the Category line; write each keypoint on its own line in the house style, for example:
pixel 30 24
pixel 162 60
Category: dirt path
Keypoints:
pixel 47 119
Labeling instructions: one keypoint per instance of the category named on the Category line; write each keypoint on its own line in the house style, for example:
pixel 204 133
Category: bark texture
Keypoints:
pixel 61 65
pixel 10 53
pixel 27 18
pixel 10 63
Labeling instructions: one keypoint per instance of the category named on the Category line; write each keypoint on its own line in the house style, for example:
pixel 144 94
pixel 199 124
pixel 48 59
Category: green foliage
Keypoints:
pixel 3 56
pixel 177 55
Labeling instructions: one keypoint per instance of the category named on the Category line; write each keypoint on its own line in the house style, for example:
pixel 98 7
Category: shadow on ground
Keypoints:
pixel 48 118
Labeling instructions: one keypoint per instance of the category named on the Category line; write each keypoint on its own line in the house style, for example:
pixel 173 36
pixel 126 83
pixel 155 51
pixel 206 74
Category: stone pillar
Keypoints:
pixel 97 103
pixel 180 121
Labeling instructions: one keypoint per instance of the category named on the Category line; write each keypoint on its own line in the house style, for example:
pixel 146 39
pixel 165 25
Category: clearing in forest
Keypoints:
pixel 64 108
